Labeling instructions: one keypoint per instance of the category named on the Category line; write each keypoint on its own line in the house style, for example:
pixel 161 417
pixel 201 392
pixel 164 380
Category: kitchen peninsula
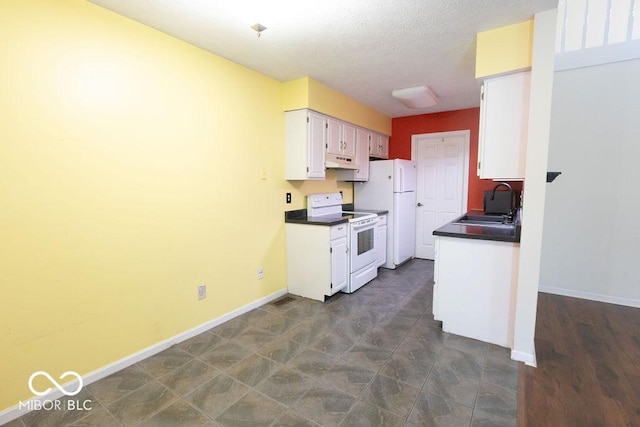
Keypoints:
pixel 476 272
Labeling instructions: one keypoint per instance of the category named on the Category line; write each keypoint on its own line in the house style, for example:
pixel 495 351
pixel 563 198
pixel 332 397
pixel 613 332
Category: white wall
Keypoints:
pixel 591 237
pixel 544 36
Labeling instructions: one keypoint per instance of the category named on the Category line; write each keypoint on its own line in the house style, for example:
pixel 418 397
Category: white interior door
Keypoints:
pixel 443 172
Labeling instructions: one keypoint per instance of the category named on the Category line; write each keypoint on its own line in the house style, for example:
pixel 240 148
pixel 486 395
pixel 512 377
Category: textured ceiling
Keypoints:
pixel 362 48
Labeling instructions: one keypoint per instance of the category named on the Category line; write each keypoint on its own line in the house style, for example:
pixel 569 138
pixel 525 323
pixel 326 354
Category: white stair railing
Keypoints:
pixel 584 24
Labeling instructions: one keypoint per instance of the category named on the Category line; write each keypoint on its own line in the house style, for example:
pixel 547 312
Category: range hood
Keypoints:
pixel 333 161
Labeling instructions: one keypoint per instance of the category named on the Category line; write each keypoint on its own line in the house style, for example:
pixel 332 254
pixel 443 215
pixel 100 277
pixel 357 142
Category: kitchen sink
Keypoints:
pixel 484 221
pixel 484 218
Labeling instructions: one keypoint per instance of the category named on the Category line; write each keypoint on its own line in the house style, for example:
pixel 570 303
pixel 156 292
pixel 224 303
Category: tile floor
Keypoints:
pixel 372 358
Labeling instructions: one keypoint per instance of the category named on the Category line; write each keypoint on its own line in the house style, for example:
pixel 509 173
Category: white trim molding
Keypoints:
pixel 14 412
pixel 606 54
pixel 610 299
pixel 529 359
pixel 466 134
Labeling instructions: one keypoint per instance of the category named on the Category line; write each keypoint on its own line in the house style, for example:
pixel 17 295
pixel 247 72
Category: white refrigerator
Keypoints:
pixel 392 187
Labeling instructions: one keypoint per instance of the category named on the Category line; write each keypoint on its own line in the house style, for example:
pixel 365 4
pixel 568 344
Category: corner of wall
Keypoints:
pixel 295 94
pixel 504 49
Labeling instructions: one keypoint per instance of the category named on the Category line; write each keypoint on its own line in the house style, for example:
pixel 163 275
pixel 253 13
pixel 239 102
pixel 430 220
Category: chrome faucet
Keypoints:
pixel 512 198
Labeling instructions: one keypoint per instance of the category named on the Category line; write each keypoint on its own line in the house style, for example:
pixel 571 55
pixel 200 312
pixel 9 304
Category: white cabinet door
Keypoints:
pixel 341 138
pixel 339 264
pixel 379 146
pixel 361 160
pixel 381 241
pixel 383 142
pixel 362 155
pixel 334 136
pixel 341 144
pixel 305 136
pixel 349 140
pixel 504 120
pixel 316 137
pixel 373 145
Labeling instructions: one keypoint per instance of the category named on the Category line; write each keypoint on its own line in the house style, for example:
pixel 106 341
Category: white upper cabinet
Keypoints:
pixel 341 144
pixel 361 159
pixel 334 136
pixel 379 146
pixel 315 141
pixel 504 119
pixel 305 136
pixel 349 138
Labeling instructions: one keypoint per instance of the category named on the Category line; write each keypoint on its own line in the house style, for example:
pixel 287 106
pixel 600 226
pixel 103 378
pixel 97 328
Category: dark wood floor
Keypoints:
pixel 588 372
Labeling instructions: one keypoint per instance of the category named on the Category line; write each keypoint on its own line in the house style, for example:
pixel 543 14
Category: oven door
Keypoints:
pixel 362 245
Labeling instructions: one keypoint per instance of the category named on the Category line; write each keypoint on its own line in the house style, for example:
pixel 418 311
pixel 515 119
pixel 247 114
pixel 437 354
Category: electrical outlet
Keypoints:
pixel 288 197
pixel 202 292
pixel 260 273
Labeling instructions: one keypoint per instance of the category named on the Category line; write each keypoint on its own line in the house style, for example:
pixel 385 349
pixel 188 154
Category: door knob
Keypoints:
pixel 419 204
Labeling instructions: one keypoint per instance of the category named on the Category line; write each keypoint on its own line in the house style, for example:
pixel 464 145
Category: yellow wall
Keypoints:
pixel 308 93
pixel 129 174
pixel 504 49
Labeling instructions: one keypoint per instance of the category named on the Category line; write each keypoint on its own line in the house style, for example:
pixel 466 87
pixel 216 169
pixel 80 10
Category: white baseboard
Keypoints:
pixel 529 359
pixel 629 302
pixel 14 412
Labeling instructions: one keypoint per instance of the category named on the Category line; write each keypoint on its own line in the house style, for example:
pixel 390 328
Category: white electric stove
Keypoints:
pixel 360 236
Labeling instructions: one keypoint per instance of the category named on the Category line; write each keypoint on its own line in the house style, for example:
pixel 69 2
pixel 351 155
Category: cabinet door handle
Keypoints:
pixel 420 204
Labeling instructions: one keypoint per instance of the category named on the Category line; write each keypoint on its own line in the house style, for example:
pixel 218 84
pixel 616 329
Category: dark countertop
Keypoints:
pixel 349 207
pixel 299 216
pixel 498 234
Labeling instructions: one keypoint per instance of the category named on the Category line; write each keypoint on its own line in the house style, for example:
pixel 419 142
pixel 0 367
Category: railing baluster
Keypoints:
pixel 607 23
pixel 585 25
pixel 632 21
pixel 562 8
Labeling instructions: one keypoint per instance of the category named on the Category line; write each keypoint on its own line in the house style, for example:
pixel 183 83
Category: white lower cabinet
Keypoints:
pixel 339 263
pixel 380 243
pixel 317 259
pixel 474 293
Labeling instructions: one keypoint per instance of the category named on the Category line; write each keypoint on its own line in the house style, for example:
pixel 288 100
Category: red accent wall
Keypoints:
pixel 400 143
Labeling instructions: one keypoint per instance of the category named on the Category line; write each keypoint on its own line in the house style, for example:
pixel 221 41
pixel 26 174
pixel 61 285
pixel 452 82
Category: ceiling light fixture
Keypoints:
pixel 258 28
pixel 416 97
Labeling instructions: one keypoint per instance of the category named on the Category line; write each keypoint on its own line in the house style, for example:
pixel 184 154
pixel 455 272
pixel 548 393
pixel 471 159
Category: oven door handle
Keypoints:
pixel 371 224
